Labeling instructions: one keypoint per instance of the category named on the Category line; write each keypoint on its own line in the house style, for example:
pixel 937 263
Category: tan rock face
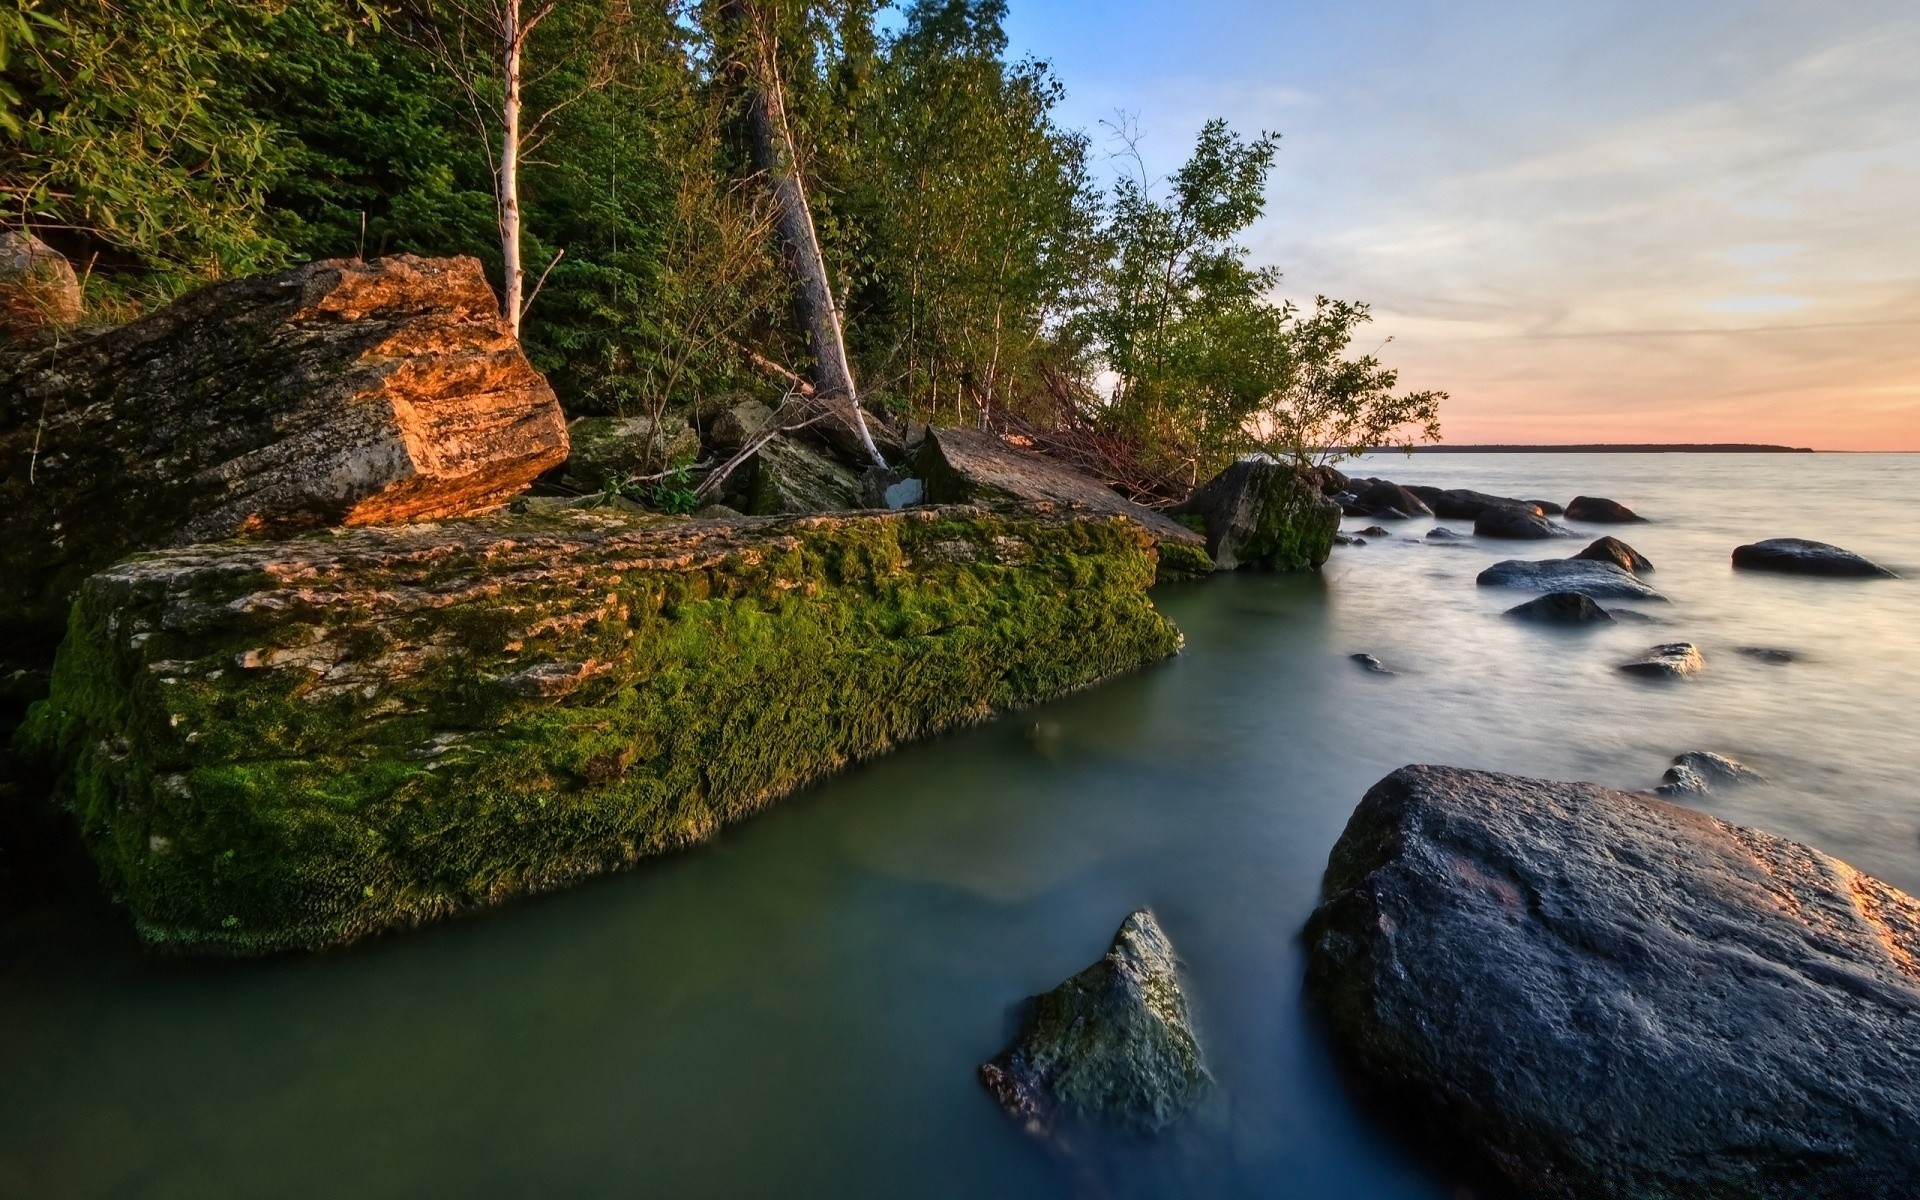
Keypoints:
pixel 342 393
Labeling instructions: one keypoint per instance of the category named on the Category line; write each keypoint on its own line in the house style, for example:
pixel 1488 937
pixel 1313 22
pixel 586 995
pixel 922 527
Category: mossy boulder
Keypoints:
pixel 1262 512
pixel 295 744
pixel 788 476
pixel 1113 1046
pixel 604 448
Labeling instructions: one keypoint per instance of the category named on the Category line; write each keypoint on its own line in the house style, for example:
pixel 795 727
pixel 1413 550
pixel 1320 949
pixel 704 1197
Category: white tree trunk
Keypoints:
pixel 513 37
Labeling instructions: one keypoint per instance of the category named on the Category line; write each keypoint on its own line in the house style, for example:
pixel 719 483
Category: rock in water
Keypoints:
pixel 1388 500
pixel 38 288
pixel 1464 504
pixel 1370 663
pixel 390 725
pixel 1262 512
pixel 1698 772
pixel 1797 556
pixel 1617 552
pixel 1547 508
pixel 1512 521
pixel 1599 510
pixel 343 393
pixel 1602 580
pixel 1562 608
pixel 1606 995
pixel 1113 1046
pixel 1674 660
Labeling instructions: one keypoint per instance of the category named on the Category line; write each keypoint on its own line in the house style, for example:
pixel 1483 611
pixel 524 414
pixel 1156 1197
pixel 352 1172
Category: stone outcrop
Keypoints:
pixel 1113 1046
pixel 1797 556
pixel 1387 500
pixel 1673 660
pixel 1464 504
pixel 1605 995
pixel 1601 580
pixel 1599 510
pixel 1562 608
pixel 1617 552
pixel 611 448
pixel 343 393
pixel 289 744
pixel 1262 512
pixel 38 287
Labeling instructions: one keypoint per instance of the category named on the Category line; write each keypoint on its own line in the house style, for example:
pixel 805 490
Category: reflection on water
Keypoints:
pixel 798 1009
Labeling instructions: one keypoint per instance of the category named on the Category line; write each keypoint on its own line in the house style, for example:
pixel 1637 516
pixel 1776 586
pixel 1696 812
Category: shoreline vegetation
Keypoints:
pixel 1618 448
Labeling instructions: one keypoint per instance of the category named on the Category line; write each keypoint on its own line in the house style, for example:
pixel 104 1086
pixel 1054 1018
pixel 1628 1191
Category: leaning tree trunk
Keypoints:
pixel 773 151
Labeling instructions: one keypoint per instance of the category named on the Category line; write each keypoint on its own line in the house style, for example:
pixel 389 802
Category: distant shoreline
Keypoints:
pixel 1623 448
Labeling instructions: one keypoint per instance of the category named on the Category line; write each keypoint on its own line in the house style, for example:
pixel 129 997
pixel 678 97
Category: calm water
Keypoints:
pixel 798 1009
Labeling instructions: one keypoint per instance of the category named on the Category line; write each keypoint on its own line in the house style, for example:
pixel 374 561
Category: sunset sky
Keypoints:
pixel 1604 221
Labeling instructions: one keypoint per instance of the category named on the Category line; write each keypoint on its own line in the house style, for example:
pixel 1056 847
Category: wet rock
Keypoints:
pixel 1604 995
pixel 1673 660
pixel 1512 521
pixel 1463 504
pixel 1443 534
pixel 1372 664
pixel 1601 580
pixel 342 393
pixel 789 477
pixel 604 448
pixel 1698 772
pixel 1797 556
pixel 1769 654
pixel 1385 499
pixel 1562 608
pixel 38 287
pixel 1113 1046
pixel 1613 550
pixel 1547 507
pixel 1260 512
pixel 1374 531
pixel 1633 616
pixel 1601 511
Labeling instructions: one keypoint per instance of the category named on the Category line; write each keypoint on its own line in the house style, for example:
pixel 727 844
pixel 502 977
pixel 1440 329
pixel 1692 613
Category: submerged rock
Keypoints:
pixel 1562 608
pixel 1512 521
pixel 1464 504
pixel 343 393
pixel 1604 995
pixel 1261 512
pixel 1797 556
pixel 1370 663
pixel 1443 534
pixel 1113 1046
pixel 614 687
pixel 1617 552
pixel 1770 654
pixel 1698 772
pixel 1599 510
pixel 1674 660
pixel 1601 580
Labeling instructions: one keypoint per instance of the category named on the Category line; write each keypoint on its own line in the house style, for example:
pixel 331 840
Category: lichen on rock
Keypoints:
pixel 1262 512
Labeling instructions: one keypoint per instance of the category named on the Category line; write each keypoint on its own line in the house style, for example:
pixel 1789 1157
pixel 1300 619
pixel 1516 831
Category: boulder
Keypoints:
pixel 1596 994
pixel 738 424
pixel 1329 480
pixel 1797 556
pixel 1547 507
pixel 1617 552
pixel 1698 772
pixel 1463 504
pixel 1562 608
pixel 1513 521
pixel 1372 664
pixel 38 287
pixel 1374 531
pixel 1261 512
pixel 603 448
pixel 342 393
pixel 1387 500
pixel 1443 534
pixel 1601 580
pixel 1771 655
pixel 788 476
pixel 1674 660
pixel 1113 1046
pixel 392 725
pixel 1601 511
pixel 834 429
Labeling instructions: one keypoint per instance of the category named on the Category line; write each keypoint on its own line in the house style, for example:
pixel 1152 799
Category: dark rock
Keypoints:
pixel 342 393
pixel 1383 498
pixel 1547 508
pixel 1633 616
pixel 1443 534
pixel 1613 550
pixel 1796 556
pixel 1604 995
pixel 1768 654
pixel 1345 539
pixel 609 448
pixel 1260 512
pixel 1330 481
pixel 1562 608
pixel 1698 772
pixel 1512 521
pixel 1113 1046
pixel 38 287
pixel 1674 660
pixel 738 424
pixel 1372 664
pixel 718 512
pixel 1601 580
pixel 1601 511
pixel 1463 504
pixel 790 477
pixel 1374 531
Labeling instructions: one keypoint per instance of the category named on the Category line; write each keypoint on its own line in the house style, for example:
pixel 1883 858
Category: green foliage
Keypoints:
pixel 1332 404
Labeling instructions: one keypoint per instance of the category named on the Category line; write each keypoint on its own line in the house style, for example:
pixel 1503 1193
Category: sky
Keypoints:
pixel 1606 221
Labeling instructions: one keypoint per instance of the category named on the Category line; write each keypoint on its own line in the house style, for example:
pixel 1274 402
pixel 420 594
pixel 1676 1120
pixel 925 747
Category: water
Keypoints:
pixel 798 1008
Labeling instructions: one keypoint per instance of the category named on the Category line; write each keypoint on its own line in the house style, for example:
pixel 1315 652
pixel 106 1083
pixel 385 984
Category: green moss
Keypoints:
pixel 244 810
pixel 1183 560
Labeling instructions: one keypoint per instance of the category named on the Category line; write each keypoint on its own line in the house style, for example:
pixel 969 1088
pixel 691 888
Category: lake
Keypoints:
pixel 799 1008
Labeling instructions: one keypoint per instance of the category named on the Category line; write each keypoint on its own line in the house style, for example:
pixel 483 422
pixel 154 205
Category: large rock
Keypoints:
pixel 611 448
pixel 1797 556
pixel 967 466
pixel 1262 512
pixel 1617 552
pixel 343 393
pixel 38 287
pixel 1513 521
pixel 1464 504
pixel 293 744
pixel 1601 580
pixel 789 477
pixel 1387 500
pixel 1112 1046
pixel 1606 995
pixel 1601 511
pixel 1562 608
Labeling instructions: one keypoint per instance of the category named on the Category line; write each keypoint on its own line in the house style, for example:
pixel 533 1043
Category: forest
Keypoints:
pixel 989 266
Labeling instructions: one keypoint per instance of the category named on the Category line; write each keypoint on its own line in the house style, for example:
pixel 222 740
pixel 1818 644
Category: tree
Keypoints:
pixel 1333 406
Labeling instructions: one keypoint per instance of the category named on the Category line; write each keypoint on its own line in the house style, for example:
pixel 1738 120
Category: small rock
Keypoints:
pixel 1674 660
pixel 1112 1046
pixel 1374 531
pixel 1562 608
pixel 717 512
pixel 1386 499
pixel 38 287
pixel 1601 580
pixel 1768 654
pixel 1697 772
pixel 1463 504
pixel 1372 664
pixel 1547 507
pixel 1443 534
pixel 740 424
pixel 1797 556
pixel 1512 521
pixel 1599 510
pixel 1613 550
